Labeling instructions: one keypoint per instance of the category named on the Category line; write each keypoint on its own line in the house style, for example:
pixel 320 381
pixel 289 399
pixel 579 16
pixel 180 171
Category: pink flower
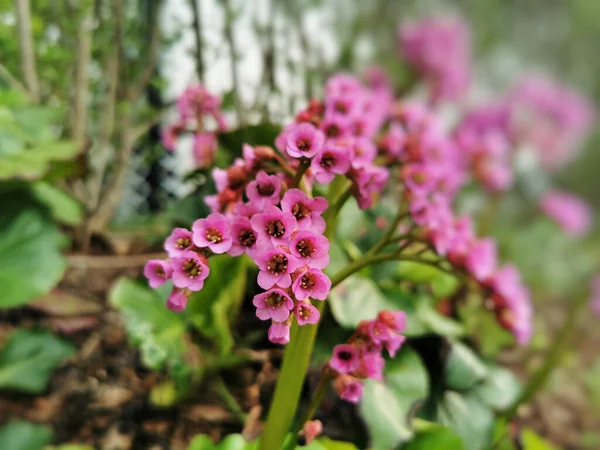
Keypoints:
pixel 311 248
pixel 304 141
pixel 244 238
pixel 367 182
pixel 348 388
pixel 177 301
pixel 364 151
pixel 274 226
pixel 333 159
pixel 306 313
pixel 213 232
pixel 336 126
pixel 311 429
pixel 307 211
pixel 275 268
pixel 264 190
pixel 189 271
pixel 482 258
pixel 311 283
pixel 393 344
pixel 345 358
pixel 169 135
pixel 595 294
pixel 372 365
pixel 395 320
pixel 279 333
pixel 274 304
pixel 178 242
pixel 157 272
pixel 204 149
pixel 570 212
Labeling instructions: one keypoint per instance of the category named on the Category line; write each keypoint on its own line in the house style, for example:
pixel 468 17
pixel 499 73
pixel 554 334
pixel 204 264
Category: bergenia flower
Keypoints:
pixel 481 259
pixel 189 271
pixel 177 301
pixel 307 211
pixel 178 241
pixel 279 333
pixel 345 358
pixel 311 248
pixel 304 141
pixel 213 232
pixel 311 282
pixel 264 190
pixel 310 430
pixel 276 267
pixel 348 388
pixel 570 212
pixel 306 313
pixel 204 149
pixel 157 272
pixel 274 304
pixel 244 238
pixel 333 159
pixel 274 225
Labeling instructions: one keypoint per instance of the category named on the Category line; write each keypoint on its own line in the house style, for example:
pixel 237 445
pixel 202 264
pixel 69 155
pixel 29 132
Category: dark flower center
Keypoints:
pixel 265 190
pixel 182 243
pixel 327 161
pixel 332 131
pixel 305 247
pixel 357 128
pixel 275 299
pixel 277 264
pixel 341 107
pixel 275 228
pixel 300 211
pixel 213 235
pixel 345 356
pixel 160 271
pixel 303 145
pixel 304 312
pixel 192 268
pixel 308 281
pixel 247 237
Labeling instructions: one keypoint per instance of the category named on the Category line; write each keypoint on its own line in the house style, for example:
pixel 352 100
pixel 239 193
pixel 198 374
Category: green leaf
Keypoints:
pixel 237 442
pixel 434 436
pixel 214 309
pixel 532 441
pixel 463 368
pixel 33 163
pixel 150 325
pixel 499 389
pixel 22 435
pixel 29 358
pixel 30 259
pixel 385 406
pixel 262 134
pixel 63 208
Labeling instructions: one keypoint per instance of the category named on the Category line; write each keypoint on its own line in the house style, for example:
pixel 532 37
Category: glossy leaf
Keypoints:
pixel 29 358
pixel 499 389
pixel 386 405
pixel 463 368
pixel 434 436
pixel 63 208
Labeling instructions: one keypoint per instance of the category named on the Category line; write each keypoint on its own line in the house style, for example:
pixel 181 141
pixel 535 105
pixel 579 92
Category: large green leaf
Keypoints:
pixel 35 162
pixel 386 405
pixel 62 206
pixel 359 298
pixel 214 309
pixel 30 259
pixel 429 436
pixel 499 389
pixel 22 435
pixel 463 368
pixel 237 442
pixel 29 358
pixel 155 329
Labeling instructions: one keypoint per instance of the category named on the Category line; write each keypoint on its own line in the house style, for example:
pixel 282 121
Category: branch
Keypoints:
pixel 13 82
pixel 84 55
pixel 27 49
pixel 198 36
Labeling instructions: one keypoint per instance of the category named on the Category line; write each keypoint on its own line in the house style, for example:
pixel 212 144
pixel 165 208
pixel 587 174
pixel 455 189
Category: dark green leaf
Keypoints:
pixel 29 358
pixel 499 389
pixel 63 208
pixel 432 436
pixel 463 368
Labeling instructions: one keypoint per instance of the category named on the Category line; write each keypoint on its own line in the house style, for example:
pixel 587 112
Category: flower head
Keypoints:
pixel 345 358
pixel 274 304
pixel 304 141
pixel 310 248
pixel 306 313
pixel 333 159
pixel 307 211
pixel 276 267
pixel 213 232
pixel 348 388
pixel 244 237
pixel 279 333
pixel 177 301
pixel 274 226
pixel 189 271
pixel 264 190
pixel 157 272
pixel 570 212
pixel 311 282
pixel 178 241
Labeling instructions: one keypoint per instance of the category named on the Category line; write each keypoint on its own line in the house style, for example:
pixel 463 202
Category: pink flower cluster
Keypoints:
pixel 438 48
pixel 570 212
pixel 595 294
pixel 198 112
pixel 552 117
pixel 361 357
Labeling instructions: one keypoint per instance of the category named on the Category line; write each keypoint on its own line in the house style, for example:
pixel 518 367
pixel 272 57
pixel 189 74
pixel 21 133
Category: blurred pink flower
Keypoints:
pixel 570 212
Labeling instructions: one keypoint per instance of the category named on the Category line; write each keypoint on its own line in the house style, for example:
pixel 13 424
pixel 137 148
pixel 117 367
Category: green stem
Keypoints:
pixel 304 165
pixel 229 399
pixel 317 398
pixel 387 237
pixel 539 378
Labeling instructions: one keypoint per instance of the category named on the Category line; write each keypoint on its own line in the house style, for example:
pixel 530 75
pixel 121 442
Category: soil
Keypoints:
pixel 100 397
